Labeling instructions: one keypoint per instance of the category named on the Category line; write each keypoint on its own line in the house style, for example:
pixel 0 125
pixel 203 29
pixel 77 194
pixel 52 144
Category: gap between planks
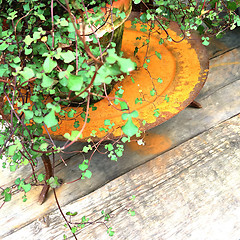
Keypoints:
pixel 190 192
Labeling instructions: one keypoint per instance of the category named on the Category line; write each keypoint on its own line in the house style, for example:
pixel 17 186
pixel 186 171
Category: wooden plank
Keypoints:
pixel 228 42
pixel 184 126
pixel 224 70
pixel 190 192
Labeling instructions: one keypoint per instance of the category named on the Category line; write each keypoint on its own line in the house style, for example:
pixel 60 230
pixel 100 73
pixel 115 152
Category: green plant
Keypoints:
pixel 53 61
pixel 77 224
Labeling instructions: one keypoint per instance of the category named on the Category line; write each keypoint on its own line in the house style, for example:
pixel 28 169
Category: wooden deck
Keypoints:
pixel 186 178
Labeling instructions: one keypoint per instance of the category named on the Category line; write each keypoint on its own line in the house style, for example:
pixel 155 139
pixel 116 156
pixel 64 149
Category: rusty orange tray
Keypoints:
pixel 168 85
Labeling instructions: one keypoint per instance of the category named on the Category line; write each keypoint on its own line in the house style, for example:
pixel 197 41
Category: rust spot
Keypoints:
pixel 181 69
pixel 154 144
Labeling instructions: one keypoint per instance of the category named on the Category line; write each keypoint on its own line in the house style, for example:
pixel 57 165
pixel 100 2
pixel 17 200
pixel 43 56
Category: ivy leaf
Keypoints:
pixel 134 114
pixel 126 65
pixel 53 182
pixel 28 40
pixel 75 82
pixel 71 113
pixel 68 56
pixel 3 69
pixel 73 229
pixel 46 81
pixel 50 119
pixel 125 139
pixel 87 174
pixel 26 187
pixel 72 136
pixel 28 114
pixel 13 167
pixel 12 149
pixel 41 177
pixel 143 18
pixel 28 51
pixel 27 73
pixel 109 147
pixel 49 65
pixel 109 231
pixel 43 146
pixel 71 214
pixel 158 55
pixel 129 128
pixel 152 92
pixel 131 212
pixel 83 166
pixel 7 195
pixel 136 1
pixel 3 46
pixel 17 181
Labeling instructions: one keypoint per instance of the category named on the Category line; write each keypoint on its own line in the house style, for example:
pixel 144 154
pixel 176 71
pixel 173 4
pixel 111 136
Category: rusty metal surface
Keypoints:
pixel 180 82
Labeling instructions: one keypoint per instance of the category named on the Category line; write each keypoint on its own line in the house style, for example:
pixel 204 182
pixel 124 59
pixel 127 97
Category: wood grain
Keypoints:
pixel 190 192
pixel 220 101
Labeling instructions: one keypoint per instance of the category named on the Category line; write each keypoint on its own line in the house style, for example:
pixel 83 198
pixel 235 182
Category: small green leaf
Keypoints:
pixel 71 113
pixel 26 187
pixel 53 182
pixel 73 135
pixel 110 232
pixel 75 82
pixel 50 119
pixel 131 212
pixel 28 40
pixel 161 41
pixel 28 114
pixel 7 195
pixel 109 147
pixel 133 197
pixel 125 139
pixel 134 114
pixel 122 15
pixel 46 81
pixel 84 219
pixel 17 181
pixel 158 55
pixel 83 166
pixel 76 124
pixel 152 92
pixel 3 46
pixel 24 197
pixel 12 149
pixel 107 122
pixel 166 98
pixel 71 214
pixel 27 73
pixel 49 65
pixel 129 128
pixel 28 51
pixel 74 229
pixel 68 56
pixel 43 146
pixel 87 174
pixel 41 177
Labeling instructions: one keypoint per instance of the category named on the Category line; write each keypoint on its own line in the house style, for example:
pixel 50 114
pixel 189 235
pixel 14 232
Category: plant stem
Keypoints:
pixel 59 207
pixel 49 173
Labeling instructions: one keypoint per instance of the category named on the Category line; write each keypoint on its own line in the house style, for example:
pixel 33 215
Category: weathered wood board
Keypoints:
pixel 220 100
pixel 189 192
